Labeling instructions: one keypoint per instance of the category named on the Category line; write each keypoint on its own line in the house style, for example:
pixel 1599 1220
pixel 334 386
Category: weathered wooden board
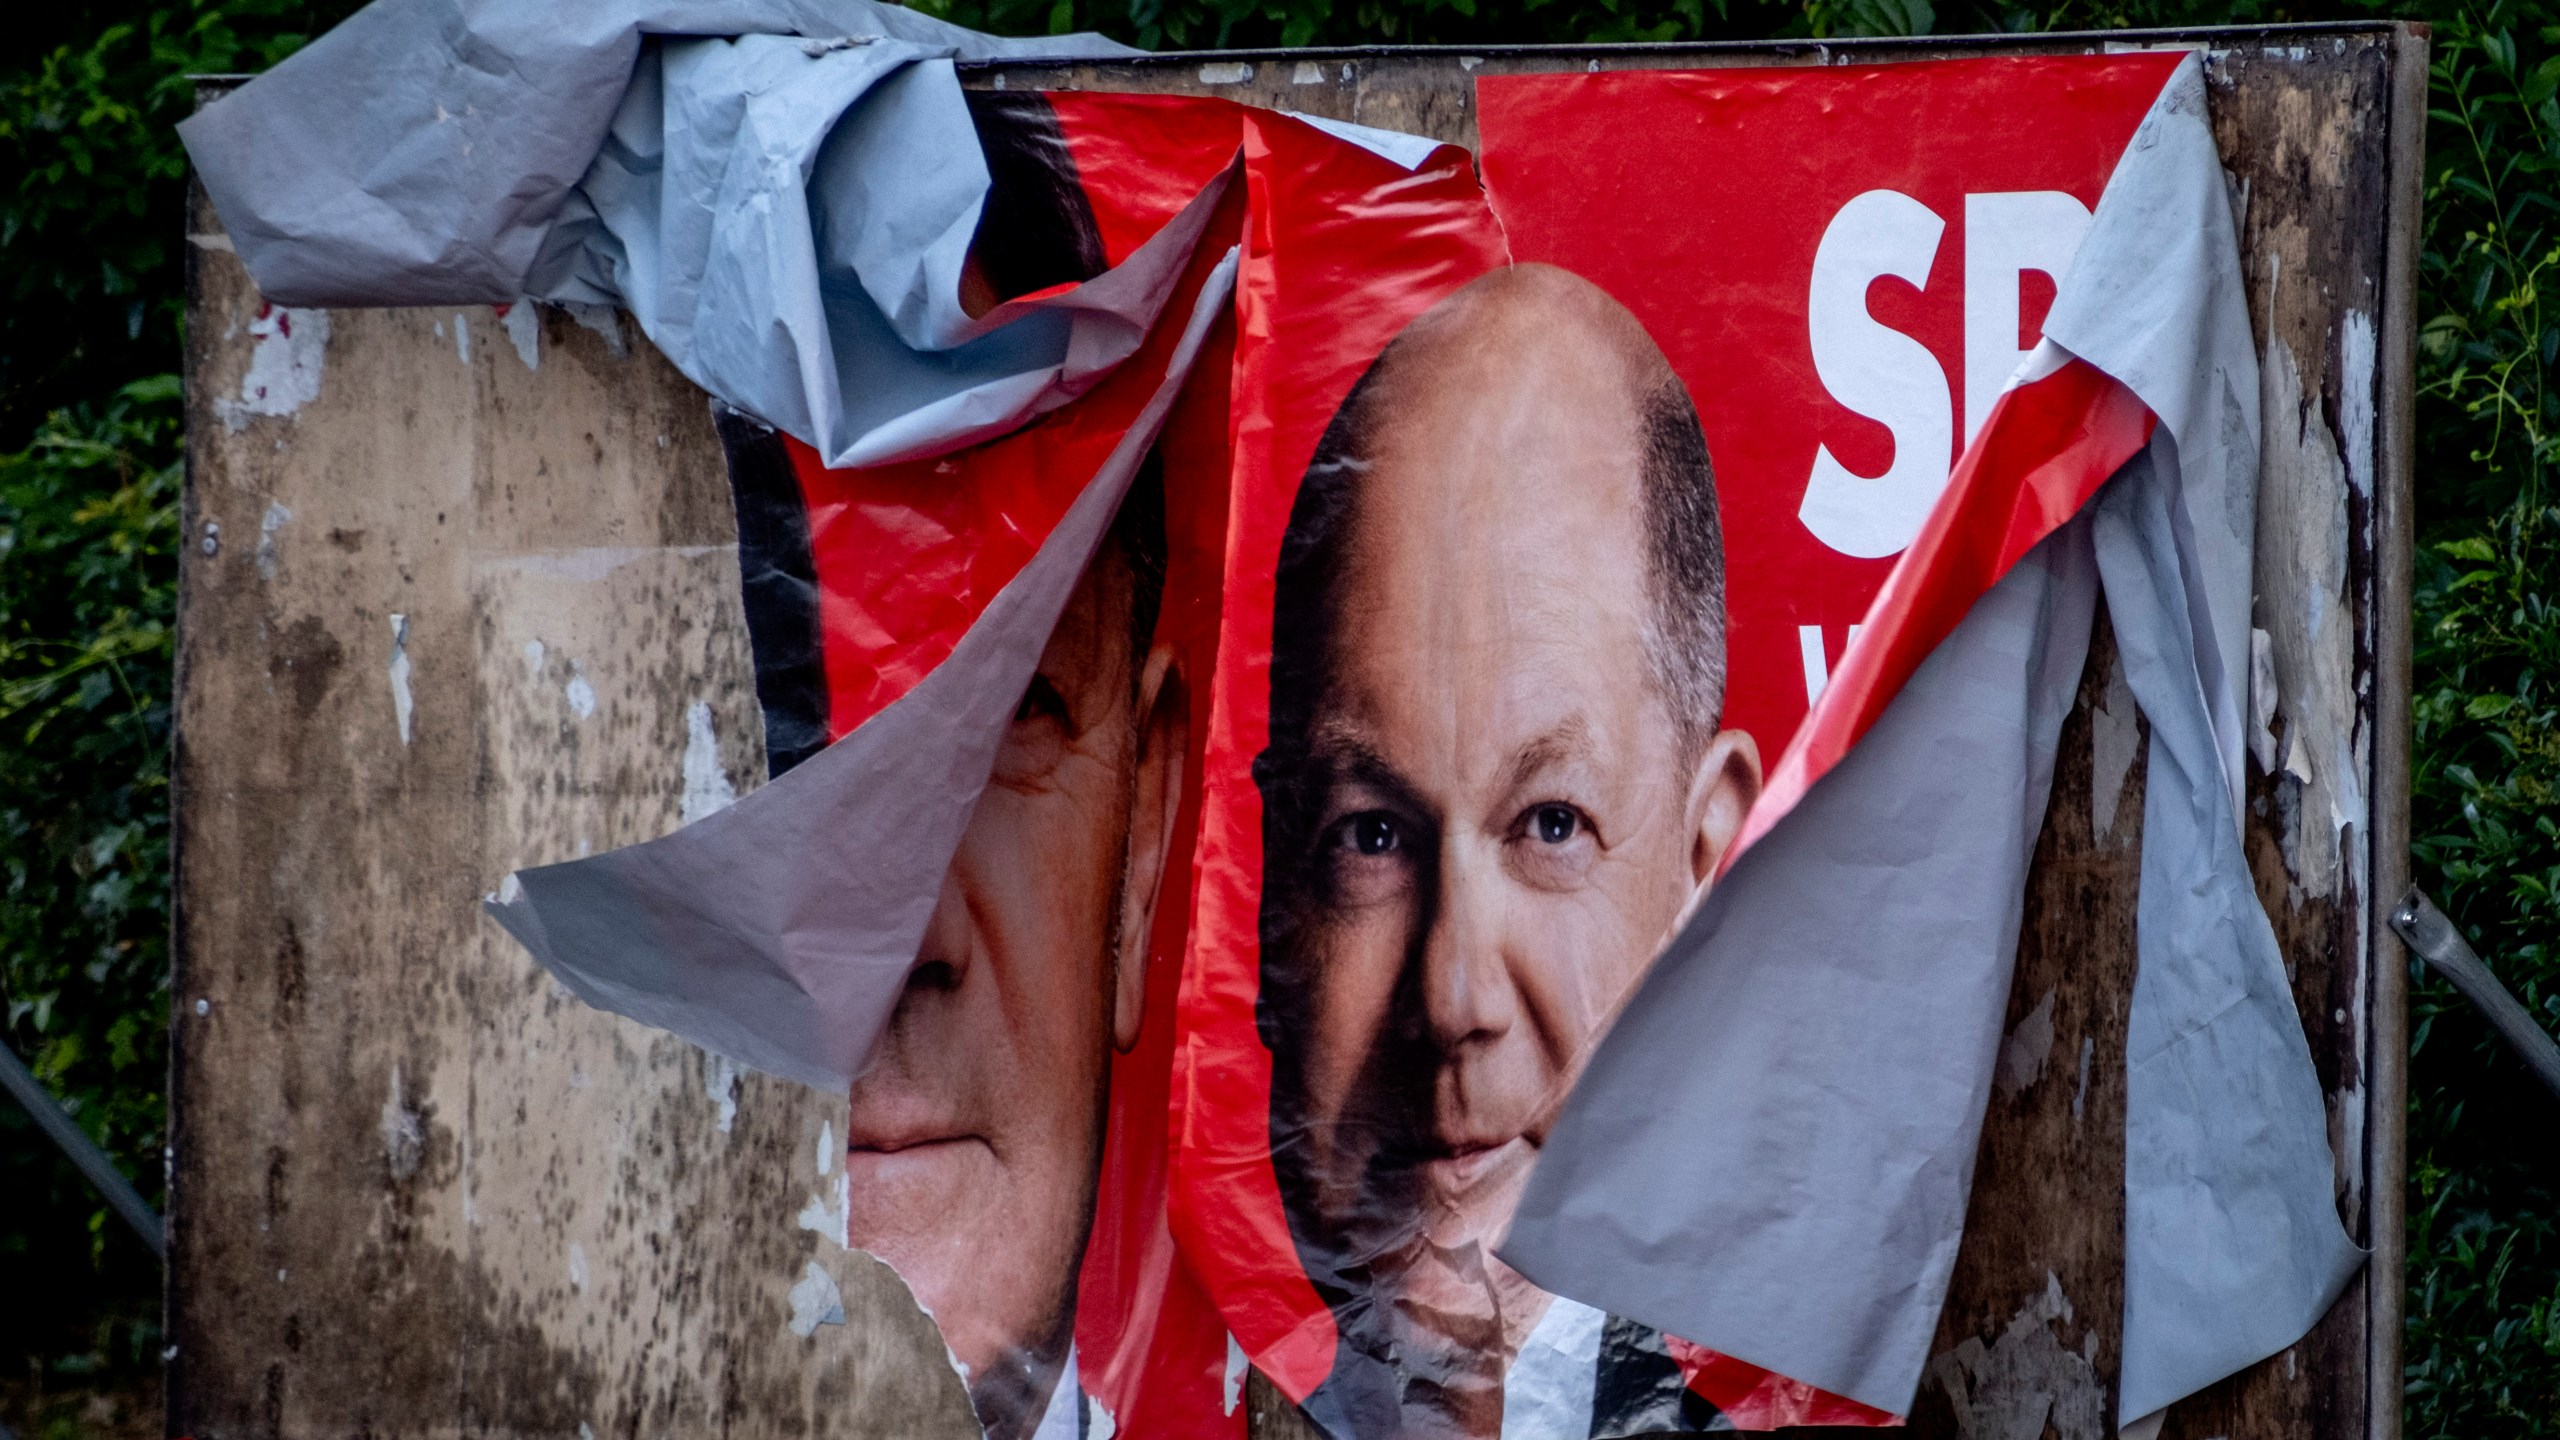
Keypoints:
pixel 471 605
pixel 418 1192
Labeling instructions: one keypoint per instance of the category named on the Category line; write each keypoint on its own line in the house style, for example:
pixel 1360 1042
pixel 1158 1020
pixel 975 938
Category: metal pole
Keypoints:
pixel 93 1163
pixel 2432 935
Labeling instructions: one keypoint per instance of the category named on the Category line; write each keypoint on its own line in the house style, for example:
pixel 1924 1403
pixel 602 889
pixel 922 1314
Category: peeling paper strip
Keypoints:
pixel 795 974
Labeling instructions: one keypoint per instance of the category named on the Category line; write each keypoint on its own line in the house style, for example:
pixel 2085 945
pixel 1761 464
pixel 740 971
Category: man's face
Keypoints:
pixel 1509 822
pixel 976 1135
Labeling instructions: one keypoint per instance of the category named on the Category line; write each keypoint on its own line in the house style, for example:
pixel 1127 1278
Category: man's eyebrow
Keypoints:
pixel 1343 754
pixel 1569 740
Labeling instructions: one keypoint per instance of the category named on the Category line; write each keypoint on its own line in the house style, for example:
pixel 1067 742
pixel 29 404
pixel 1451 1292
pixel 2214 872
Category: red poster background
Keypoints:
pixel 1697 198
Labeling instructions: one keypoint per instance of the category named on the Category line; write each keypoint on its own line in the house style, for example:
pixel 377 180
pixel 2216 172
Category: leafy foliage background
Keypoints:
pixel 91 195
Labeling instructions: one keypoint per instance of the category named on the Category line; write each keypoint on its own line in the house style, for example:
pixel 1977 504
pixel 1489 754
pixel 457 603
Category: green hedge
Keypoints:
pixel 90 195
pixel 2484 1143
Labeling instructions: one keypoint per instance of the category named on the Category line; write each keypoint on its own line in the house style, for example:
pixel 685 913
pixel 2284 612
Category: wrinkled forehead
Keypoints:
pixel 1501 453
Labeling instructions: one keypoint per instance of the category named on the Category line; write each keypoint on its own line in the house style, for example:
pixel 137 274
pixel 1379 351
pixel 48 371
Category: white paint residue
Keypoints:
pixel 2296 763
pixel 2355 399
pixel 533 659
pixel 462 336
pixel 1098 1424
pixel 2262 700
pixel 1233 1382
pixel 404 1135
pixel 510 889
pixel 825 1220
pixel 707 790
pixel 606 321
pixel 720 1082
pixel 1307 73
pixel 586 1431
pixel 1469 62
pixel 2306 477
pixel 1225 73
pixel 274 521
pixel 2025 1379
pixel 2023 1053
pixel 2347 1136
pixel 577 1266
pixel 401 704
pixel 2080 1097
pixel 815 1301
pixel 523 324
pixel 2114 739
pixel 826 1149
pixel 284 369
pixel 582 696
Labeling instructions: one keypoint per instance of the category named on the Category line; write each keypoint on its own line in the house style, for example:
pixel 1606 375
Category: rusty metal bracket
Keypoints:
pixel 2437 942
pixel 92 1162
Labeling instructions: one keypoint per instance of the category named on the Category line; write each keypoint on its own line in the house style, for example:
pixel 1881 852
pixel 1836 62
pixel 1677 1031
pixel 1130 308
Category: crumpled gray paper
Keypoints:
pixel 2233 1245
pixel 1771 1152
pixel 781 191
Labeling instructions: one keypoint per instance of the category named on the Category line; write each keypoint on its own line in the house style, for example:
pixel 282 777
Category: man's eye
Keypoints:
pixel 1552 846
pixel 1370 857
pixel 1040 701
pixel 1373 833
pixel 1555 824
pixel 1038 737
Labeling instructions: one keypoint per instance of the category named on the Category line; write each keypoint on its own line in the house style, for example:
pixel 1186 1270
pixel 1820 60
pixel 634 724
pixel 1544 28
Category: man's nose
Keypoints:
pixel 942 957
pixel 1467 990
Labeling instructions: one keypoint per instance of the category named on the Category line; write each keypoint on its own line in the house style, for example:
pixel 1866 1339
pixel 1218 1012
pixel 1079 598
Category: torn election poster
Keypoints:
pixel 1419 766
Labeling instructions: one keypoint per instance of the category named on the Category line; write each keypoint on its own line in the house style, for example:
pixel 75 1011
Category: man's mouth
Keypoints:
pixel 900 1144
pixel 877 1159
pixel 1465 1167
pixel 899 1115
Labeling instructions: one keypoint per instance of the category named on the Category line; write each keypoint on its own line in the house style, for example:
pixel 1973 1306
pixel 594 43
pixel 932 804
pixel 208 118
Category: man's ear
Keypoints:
pixel 1155 800
pixel 1720 794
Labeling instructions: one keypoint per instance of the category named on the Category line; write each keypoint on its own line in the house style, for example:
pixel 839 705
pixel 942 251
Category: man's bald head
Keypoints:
pixel 1534 346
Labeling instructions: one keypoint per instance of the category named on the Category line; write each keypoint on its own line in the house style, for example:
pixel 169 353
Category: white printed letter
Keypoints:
pixel 2006 235
pixel 1878 372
